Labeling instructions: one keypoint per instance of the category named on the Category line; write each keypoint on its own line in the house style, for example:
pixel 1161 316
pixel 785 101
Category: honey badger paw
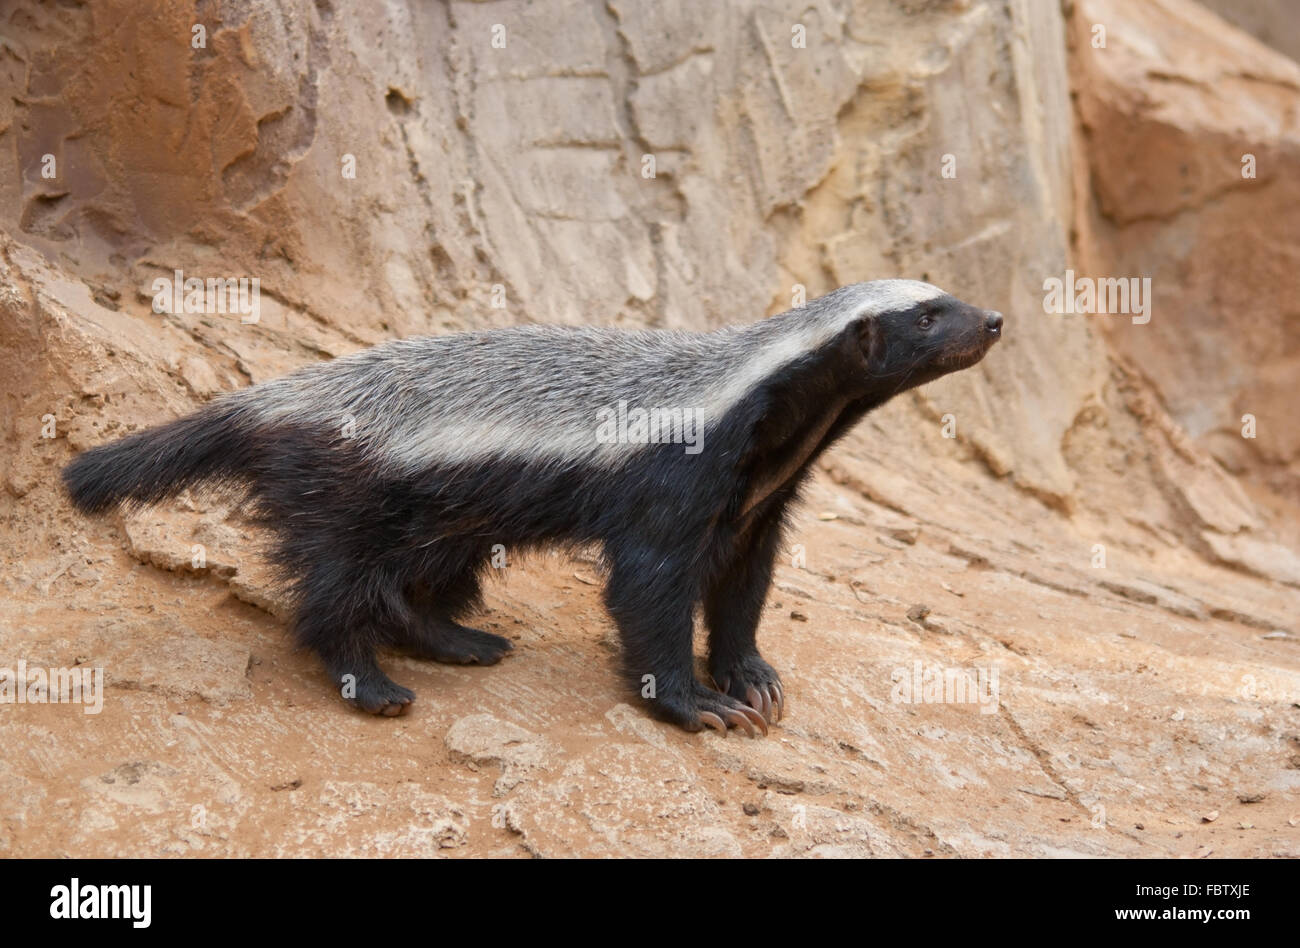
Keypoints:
pixel 454 644
pixel 753 681
pixel 376 694
pixel 700 707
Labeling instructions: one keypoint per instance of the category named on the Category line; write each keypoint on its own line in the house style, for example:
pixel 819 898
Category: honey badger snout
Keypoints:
pixel 993 322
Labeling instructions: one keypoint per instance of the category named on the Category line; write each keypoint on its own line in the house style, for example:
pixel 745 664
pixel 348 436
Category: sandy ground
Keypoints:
pixel 1152 715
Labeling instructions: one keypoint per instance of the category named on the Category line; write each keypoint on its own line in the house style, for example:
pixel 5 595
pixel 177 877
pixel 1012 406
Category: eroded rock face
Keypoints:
pixel 1069 534
pixel 1191 132
pixel 401 174
pixel 1271 21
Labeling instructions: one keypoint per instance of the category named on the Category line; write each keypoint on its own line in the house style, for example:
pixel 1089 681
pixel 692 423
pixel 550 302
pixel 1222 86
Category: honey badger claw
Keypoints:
pixel 709 719
pixel 778 696
pixel 745 718
pixel 695 707
pixel 759 721
pixel 753 681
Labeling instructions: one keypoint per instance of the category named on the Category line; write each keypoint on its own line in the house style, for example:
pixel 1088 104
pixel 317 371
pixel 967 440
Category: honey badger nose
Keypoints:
pixel 993 322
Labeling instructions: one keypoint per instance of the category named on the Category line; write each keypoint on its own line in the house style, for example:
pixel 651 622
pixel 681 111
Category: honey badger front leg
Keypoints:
pixel 651 595
pixel 733 605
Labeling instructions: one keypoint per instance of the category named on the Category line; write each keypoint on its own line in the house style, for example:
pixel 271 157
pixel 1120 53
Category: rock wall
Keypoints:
pixel 523 167
pixel 1271 21
pixel 1191 135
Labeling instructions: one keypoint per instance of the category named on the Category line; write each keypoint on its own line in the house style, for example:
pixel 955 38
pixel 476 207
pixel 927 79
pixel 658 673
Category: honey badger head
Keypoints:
pixel 910 333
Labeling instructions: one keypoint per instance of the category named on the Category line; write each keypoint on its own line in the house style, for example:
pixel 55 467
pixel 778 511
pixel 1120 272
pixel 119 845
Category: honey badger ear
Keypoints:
pixel 869 334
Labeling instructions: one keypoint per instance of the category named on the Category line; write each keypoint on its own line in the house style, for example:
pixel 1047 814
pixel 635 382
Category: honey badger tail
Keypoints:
pixel 158 463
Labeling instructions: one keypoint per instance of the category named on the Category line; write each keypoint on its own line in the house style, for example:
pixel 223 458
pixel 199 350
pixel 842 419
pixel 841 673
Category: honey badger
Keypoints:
pixel 390 476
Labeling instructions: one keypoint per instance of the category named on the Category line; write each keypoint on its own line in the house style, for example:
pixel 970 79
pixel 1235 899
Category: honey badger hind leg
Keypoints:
pixel 433 633
pixel 733 605
pixel 363 684
pixel 335 622
pixel 651 596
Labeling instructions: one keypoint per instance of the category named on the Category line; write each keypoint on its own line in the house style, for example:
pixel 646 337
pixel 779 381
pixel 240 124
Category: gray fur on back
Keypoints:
pixel 533 392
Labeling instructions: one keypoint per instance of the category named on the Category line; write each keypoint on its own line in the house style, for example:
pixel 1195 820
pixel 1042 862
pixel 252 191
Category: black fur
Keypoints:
pixel 375 559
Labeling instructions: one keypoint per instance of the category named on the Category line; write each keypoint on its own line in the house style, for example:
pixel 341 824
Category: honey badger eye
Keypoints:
pixel 926 321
